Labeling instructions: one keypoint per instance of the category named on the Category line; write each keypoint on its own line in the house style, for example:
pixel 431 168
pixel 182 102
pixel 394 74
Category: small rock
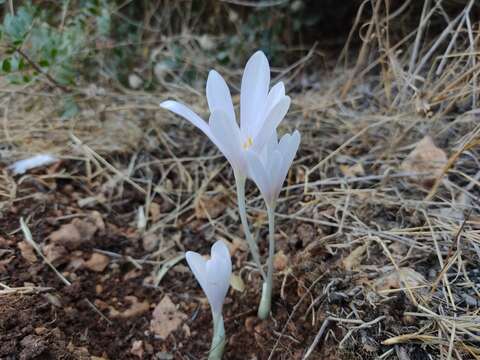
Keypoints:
pixel 27 251
pixel 53 299
pixel 40 330
pixel 150 241
pixel 136 308
pixel 33 346
pixel 74 234
pixel 87 227
pixel 68 234
pixel 135 81
pixel 427 159
pixel 137 348
pixel 97 262
pixel 56 254
pixel 280 261
pixel 76 262
pixel 166 318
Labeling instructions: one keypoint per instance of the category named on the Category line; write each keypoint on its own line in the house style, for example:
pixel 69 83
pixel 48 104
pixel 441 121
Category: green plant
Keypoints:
pixel 46 44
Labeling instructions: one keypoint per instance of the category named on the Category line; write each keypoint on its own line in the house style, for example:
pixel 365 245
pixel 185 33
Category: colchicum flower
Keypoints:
pixel 214 278
pixel 261 111
pixel 252 149
pixel 270 168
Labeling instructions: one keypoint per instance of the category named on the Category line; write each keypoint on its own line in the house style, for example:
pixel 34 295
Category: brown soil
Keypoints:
pixel 46 319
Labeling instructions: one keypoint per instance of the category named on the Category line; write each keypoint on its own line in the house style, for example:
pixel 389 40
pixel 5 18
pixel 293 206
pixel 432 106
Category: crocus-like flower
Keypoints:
pixel 270 168
pixel 214 274
pixel 214 278
pixel 261 111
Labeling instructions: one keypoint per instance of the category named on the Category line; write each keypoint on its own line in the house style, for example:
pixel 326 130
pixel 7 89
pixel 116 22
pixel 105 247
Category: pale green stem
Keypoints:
pixel 240 183
pixel 218 341
pixel 266 300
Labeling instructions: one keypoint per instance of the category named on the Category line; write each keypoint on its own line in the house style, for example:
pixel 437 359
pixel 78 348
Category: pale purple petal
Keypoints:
pixel 288 147
pixel 260 175
pixel 274 118
pixel 274 96
pixel 275 163
pixel 227 134
pixel 269 147
pixel 218 94
pixel 219 271
pixel 186 113
pixel 198 265
pixel 253 93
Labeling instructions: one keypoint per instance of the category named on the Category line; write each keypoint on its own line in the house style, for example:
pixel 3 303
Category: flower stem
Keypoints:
pixel 266 300
pixel 218 341
pixel 240 183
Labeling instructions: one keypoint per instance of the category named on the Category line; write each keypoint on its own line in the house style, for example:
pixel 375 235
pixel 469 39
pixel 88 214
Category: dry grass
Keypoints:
pixel 368 112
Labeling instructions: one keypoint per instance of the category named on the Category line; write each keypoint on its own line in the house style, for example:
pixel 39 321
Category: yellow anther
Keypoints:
pixel 248 143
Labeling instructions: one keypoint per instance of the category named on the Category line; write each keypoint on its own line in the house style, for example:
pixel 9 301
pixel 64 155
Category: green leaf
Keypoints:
pixel 21 64
pixel 44 63
pixel 70 108
pixel 6 66
pixel 17 26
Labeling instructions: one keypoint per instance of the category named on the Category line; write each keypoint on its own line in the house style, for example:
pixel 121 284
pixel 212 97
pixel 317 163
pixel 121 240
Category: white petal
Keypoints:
pixel 218 94
pixel 274 96
pixel 288 147
pixel 187 114
pixel 260 176
pixel 253 92
pixel 227 134
pixel 219 271
pixel 269 148
pixel 274 168
pixel 220 251
pixel 198 265
pixel 274 118
pixel 275 162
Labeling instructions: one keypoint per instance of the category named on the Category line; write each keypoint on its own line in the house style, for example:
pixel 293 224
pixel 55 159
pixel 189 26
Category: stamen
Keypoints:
pixel 248 143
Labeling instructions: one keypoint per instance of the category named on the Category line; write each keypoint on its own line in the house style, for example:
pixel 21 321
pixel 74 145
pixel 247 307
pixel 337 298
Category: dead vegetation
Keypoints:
pixel 379 229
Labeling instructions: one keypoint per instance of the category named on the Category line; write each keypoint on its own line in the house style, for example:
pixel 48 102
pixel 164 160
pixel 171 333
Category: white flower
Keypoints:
pixel 213 275
pixel 261 111
pixel 269 169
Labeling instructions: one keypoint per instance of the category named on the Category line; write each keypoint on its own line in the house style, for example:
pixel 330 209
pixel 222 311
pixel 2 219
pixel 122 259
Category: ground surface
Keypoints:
pixel 378 225
pixel 345 234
